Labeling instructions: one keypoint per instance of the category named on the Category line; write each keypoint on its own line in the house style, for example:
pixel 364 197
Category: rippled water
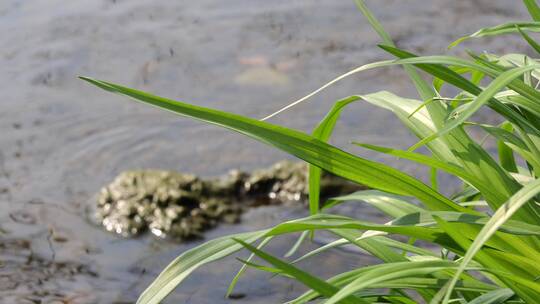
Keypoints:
pixel 61 139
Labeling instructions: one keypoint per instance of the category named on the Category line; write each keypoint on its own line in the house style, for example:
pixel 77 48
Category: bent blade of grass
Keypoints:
pixel 372 246
pixel 494 87
pixel 297 244
pixel 219 248
pixel 242 269
pixel 498 30
pixel 434 66
pixel 326 85
pixel 421 62
pixel 420 124
pixel 308 148
pixel 321 286
pixel 498 296
pixel 529 40
pixel 426 218
pixel 190 260
pixel 423 88
pixel 274 271
pixel 514 143
pixel 323 131
pixel 415 283
pixel 502 215
pixel 390 271
pixel 487 189
pixel 389 204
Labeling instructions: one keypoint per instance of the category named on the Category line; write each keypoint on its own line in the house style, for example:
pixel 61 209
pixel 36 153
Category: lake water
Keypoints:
pixel 61 139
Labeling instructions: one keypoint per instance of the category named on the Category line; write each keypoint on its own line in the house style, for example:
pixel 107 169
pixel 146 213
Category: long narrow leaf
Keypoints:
pixel 323 131
pixel 498 84
pixel 321 286
pixel 533 9
pixel 308 148
pixel 497 220
pixel 498 30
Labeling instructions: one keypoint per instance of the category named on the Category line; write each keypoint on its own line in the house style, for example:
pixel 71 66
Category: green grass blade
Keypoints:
pixel 308 148
pixel 533 9
pixel 434 66
pixel 190 260
pixel 423 88
pixel 485 96
pixel 514 143
pixel 529 40
pixel 323 131
pixel 506 155
pixel 502 215
pixel 242 269
pixel 321 286
pixel 499 30
pixel 486 188
pixel 416 283
pixel 427 218
pixel 390 271
pixel 498 296
pixel 297 244
pixel 391 205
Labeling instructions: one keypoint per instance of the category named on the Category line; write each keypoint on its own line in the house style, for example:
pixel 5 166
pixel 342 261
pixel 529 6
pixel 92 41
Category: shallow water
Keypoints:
pixel 62 140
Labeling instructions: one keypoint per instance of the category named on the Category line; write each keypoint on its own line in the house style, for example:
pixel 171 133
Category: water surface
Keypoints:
pixel 61 139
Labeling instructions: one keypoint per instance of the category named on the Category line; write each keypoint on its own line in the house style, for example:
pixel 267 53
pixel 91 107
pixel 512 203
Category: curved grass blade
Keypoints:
pixel 190 260
pixel 506 155
pixel 308 148
pixel 498 30
pixel 416 283
pixel 390 271
pixel 219 248
pixel 323 131
pixel 242 269
pixel 321 286
pixel 361 236
pixel 487 190
pixel 502 215
pixel 297 244
pixel 529 40
pixel 391 205
pixel 426 218
pixel 498 296
pixel 495 86
pixel 434 66
pixel 423 88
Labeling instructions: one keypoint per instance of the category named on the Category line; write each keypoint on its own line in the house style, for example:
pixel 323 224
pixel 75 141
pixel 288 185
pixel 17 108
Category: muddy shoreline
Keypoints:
pixel 62 140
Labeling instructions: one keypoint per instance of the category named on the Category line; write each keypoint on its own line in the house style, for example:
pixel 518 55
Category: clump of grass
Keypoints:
pixel 489 231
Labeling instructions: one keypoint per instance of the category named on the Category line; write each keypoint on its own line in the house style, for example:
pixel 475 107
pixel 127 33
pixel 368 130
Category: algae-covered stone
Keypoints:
pixel 181 206
pixel 283 182
pixel 169 204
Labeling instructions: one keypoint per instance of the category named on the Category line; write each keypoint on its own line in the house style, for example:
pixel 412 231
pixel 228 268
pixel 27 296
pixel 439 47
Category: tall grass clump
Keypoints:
pixel 488 233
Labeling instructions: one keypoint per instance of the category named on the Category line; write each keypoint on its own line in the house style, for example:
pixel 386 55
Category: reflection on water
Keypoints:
pixel 62 140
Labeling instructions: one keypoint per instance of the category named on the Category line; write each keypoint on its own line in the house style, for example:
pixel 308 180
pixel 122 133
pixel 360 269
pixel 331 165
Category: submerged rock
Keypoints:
pixel 182 206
